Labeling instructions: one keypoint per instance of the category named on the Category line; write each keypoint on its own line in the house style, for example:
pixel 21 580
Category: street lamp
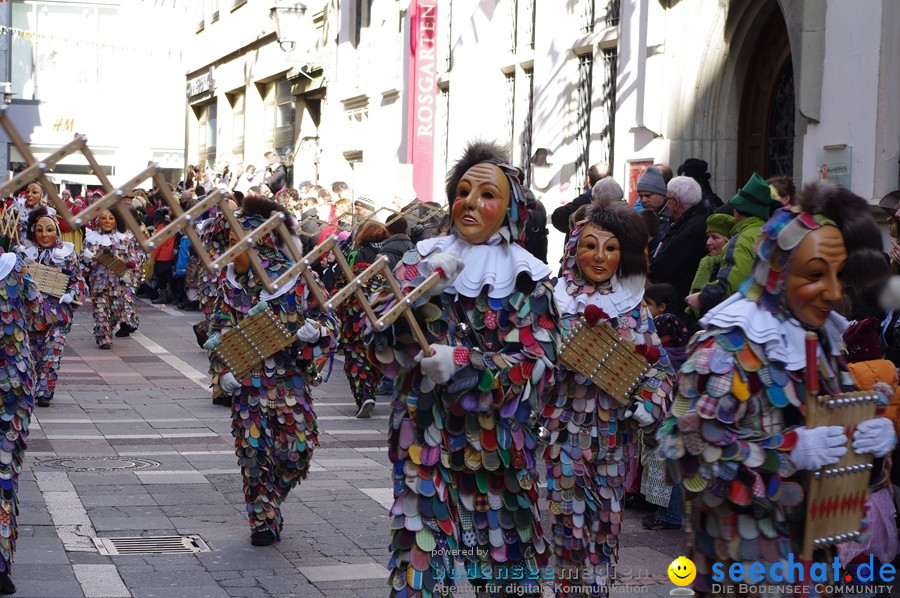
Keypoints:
pixel 7 93
pixel 288 17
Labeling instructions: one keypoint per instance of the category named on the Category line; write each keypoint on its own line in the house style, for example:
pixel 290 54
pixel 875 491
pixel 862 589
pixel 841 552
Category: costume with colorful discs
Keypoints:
pixel 363 376
pixel 737 426
pixel 19 307
pixel 109 291
pixel 592 435
pixel 132 279
pixel 48 334
pixel 465 451
pixel 273 422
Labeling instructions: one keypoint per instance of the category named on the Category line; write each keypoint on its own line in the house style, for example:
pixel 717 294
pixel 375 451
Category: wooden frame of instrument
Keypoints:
pixel 836 495
pixel 48 279
pixel 601 354
pixel 251 342
pixel 112 263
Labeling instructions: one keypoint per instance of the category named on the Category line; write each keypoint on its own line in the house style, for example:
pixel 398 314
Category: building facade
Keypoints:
pixel 384 94
pixel 100 68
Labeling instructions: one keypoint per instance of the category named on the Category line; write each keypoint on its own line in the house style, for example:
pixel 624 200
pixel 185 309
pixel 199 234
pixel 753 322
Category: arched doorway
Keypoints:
pixel 766 126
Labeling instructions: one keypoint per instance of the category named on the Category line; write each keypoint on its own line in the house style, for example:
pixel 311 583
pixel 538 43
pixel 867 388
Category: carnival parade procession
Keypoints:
pixel 426 298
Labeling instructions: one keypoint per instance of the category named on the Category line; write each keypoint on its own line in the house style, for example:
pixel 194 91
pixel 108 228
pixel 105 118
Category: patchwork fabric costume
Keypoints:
pixel 133 279
pixel 465 453
pixel 49 330
pixel 592 438
pixel 272 417
pixel 740 398
pixel 363 376
pixel 112 296
pixel 19 307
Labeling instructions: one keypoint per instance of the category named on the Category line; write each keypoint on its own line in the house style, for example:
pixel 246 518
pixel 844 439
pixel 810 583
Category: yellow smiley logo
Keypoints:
pixel 682 571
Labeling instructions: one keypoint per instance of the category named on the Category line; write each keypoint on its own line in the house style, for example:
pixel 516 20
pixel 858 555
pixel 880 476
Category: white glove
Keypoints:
pixel 67 298
pixel 449 263
pixel 88 254
pixel 638 413
pixel 309 332
pixel 228 383
pixel 875 436
pixel 817 447
pixel 440 366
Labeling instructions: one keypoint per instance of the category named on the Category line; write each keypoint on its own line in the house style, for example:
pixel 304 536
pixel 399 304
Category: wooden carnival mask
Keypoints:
pixel 45 232
pixel 814 285
pixel 33 195
pixel 482 199
pixel 241 262
pixel 107 221
pixel 598 254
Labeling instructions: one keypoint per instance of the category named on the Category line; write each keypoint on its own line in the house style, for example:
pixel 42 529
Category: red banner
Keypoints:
pixel 422 94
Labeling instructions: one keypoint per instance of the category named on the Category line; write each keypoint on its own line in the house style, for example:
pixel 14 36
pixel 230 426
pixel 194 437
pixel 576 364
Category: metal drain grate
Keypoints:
pixel 151 545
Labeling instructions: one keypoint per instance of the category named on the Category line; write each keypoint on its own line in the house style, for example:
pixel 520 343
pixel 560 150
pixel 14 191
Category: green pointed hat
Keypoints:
pixel 754 198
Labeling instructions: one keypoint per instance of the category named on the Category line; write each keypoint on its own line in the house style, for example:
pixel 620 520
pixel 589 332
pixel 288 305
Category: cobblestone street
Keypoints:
pixel 132 446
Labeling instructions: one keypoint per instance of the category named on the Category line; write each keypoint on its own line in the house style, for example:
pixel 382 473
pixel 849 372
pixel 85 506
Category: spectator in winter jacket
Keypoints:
pixel 181 262
pixel 698 170
pixel 536 232
pixel 398 243
pixel 276 177
pixel 560 217
pixel 683 244
pixel 751 210
pixel 718 231
pixel 652 194
pixel 164 259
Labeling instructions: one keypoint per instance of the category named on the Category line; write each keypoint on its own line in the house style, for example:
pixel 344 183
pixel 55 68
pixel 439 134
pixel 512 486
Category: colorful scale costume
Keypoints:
pixel 133 279
pixel 465 454
pixel 111 295
pixel 48 334
pixel 592 439
pixel 19 306
pixel 273 422
pixel 740 396
pixel 363 376
pixel 215 242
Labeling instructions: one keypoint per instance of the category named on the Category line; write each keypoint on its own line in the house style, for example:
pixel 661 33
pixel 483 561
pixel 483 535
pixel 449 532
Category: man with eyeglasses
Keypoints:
pixel 683 244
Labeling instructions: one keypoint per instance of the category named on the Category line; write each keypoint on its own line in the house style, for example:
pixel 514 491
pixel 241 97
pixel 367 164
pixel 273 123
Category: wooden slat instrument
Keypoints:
pixel 256 338
pixel 112 263
pixel 603 355
pixel 49 280
pixel 836 494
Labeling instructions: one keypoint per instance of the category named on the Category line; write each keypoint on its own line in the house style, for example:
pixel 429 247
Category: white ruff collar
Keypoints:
pixel 783 341
pixel 100 238
pixel 620 301
pixel 496 266
pixel 7 262
pixel 58 255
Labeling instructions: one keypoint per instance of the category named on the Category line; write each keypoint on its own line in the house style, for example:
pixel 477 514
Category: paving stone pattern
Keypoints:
pixel 145 400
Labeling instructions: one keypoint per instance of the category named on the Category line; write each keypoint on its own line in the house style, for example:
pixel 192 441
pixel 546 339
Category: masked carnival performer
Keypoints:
pixel 111 293
pixel 214 235
pixel 592 435
pixel 461 436
pixel 33 199
pixel 273 422
pixel 133 279
pixel 48 335
pixel 736 440
pixel 19 307
pixel 362 375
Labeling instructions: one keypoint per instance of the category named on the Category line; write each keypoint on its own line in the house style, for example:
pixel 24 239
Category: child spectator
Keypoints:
pixel 164 255
pixel 673 335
